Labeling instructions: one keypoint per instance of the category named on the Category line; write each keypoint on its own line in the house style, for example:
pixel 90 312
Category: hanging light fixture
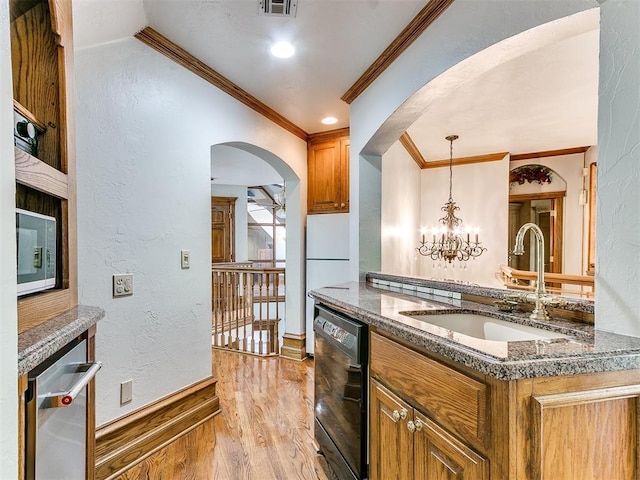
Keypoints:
pixel 449 240
pixel 281 202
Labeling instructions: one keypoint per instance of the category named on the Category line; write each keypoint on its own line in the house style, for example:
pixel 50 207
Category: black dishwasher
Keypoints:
pixel 341 392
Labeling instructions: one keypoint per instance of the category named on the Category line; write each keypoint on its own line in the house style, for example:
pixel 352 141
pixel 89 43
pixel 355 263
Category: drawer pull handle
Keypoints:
pixel 414 426
pixel 64 399
pixel 400 414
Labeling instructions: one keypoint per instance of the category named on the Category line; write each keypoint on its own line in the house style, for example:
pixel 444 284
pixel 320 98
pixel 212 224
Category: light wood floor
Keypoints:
pixel 264 432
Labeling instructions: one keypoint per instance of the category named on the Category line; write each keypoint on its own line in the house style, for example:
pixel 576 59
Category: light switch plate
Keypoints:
pixel 126 392
pixel 123 285
pixel 185 259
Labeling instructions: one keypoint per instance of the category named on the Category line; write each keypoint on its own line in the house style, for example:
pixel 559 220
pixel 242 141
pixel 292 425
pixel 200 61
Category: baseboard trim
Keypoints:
pixel 294 346
pixel 123 443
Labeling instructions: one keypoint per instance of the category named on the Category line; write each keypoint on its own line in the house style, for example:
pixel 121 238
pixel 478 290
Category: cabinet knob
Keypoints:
pixel 335 205
pixel 414 426
pixel 342 205
pixel 399 414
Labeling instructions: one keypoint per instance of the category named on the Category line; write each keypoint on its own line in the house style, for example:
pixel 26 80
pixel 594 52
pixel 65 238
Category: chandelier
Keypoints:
pixel 450 241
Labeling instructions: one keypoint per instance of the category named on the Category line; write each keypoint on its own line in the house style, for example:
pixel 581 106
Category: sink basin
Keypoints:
pixel 484 327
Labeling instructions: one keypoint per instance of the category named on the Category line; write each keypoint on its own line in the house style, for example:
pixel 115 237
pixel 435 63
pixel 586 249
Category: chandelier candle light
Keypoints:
pixel 448 242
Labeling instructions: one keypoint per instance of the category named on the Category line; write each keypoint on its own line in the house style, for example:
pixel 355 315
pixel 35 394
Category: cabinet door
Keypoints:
pixel 391 450
pixel 328 177
pixel 344 175
pixel 440 456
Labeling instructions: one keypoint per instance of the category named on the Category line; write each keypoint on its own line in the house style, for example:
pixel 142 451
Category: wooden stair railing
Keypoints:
pixel 246 308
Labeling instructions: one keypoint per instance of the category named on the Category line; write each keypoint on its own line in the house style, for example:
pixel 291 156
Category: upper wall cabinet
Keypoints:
pixel 328 172
pixel 42 68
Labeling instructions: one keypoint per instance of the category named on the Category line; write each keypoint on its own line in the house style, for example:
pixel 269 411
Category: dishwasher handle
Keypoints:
pixel 64 399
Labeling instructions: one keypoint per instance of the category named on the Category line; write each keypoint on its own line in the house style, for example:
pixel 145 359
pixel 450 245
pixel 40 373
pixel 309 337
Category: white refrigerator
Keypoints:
pixel 327 258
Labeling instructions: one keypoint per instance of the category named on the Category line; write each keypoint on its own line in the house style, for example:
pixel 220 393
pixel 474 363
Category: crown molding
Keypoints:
pixel 162 44
pixel 490 157
pixel 548 153
pixel 412 150
pixel 411 32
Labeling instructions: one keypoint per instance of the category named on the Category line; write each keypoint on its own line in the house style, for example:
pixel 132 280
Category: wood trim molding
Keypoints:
pixel 490 157
pixel 162 44
pixel 328 136
pixel 294 346
pixel 34 173
pixel 548 153
pixel 431 11
pixel 127 441
pixel 537 196
pixel 412 150
pixel 36 309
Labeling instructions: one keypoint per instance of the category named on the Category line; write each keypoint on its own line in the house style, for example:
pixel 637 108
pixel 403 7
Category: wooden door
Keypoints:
pixel 391 447
pixel 437 455
pixel 222 229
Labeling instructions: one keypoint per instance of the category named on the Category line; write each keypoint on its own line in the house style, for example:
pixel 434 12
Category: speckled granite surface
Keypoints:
pixel 586 351
pixel 40 342
pixel 573 303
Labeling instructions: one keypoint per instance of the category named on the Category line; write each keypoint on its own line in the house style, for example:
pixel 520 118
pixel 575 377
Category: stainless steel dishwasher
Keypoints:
pixel 56 415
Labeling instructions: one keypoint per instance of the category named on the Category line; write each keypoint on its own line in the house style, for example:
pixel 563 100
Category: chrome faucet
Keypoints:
pixel 539 312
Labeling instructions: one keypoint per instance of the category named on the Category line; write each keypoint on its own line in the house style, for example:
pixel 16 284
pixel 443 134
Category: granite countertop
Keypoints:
pixel 587 350
pixel 37 344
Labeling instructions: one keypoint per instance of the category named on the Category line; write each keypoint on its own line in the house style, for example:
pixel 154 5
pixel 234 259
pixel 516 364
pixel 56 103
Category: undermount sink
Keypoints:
pixel 484 327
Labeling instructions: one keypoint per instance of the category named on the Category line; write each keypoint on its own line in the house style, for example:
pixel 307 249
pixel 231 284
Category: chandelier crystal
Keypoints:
pixel 450 241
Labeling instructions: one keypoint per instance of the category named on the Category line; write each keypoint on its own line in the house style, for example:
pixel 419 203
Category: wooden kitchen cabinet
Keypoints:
pixel 328 172
pixel 455 423
pixel 405 444
pixel 42 66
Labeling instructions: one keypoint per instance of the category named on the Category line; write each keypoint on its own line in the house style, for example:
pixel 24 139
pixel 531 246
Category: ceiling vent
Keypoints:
pixel 278 8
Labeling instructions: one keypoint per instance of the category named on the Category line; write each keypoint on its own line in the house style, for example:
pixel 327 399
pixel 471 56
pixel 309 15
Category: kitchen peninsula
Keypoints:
pixel 441 401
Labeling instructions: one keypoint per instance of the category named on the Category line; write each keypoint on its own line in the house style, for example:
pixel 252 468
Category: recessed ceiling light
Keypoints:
pixel 282 50
pixel 329 120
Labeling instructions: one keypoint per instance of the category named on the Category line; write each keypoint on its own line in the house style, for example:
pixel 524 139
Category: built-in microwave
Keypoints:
pixel 36 242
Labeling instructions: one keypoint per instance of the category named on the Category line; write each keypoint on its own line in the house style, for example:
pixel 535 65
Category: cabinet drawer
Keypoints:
pixel 449 397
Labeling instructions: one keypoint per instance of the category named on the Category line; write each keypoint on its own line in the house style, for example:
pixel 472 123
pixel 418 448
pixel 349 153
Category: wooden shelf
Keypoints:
pixel 38 175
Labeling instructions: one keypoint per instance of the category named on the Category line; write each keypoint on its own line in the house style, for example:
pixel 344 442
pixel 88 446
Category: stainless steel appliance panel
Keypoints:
pixel 56 428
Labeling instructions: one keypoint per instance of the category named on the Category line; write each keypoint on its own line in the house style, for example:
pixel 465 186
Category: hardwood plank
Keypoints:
pixel 265 430
pixel 166 47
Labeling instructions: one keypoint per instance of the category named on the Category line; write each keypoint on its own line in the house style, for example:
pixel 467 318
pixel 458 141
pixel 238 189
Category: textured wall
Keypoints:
pixel 8 316
pixel 401 204
pixel 483 203
pixel 145 127
pixel 618 200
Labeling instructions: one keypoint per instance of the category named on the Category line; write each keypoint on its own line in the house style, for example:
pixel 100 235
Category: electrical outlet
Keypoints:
pixel 185 259
pixel 126 392
pixel 123 285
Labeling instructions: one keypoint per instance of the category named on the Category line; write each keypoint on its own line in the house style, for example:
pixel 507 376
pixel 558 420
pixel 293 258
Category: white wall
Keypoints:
pixel 401 204
pixel 483 203
pixel 385 110
pixel 618 199
pixel 8 313
pixel 240 192
pixel 145 127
